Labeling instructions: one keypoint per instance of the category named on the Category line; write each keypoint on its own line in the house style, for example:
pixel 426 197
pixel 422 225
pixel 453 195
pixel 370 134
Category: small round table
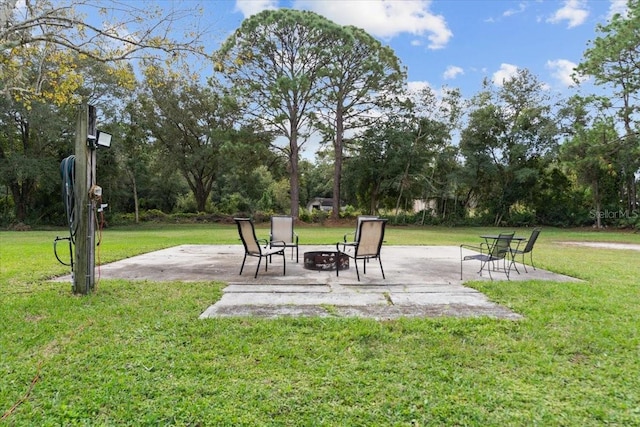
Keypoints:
pixel 325 260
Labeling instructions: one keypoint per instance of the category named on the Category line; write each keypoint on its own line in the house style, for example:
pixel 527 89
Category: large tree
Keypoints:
pixel 431 165
pixel 276 61
pixel 589 155
pixel 509 133
pixel 101 30
pixel 361 81
pixel 57 54
pixel 391 160
pixel 190 123
pixel 613 59
pixel 36 133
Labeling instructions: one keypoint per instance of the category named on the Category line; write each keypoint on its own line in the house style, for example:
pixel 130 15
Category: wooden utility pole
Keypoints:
pixel 85 173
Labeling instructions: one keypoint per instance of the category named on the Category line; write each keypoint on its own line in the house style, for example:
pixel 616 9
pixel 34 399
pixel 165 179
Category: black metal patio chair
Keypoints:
pixel 528 249
pixel 490 253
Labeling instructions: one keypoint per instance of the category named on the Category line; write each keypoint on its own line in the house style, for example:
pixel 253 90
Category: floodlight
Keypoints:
pixel 104 139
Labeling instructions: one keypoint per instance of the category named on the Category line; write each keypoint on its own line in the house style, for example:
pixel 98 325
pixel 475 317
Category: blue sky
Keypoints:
pixel 456 43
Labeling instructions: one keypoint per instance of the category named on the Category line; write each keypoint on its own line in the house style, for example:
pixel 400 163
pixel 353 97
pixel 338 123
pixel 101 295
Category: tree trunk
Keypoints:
pixel 294 178
pixel 21 193
pixel 374 199
pixel 337 170
pixel 134 189
pixel 596 196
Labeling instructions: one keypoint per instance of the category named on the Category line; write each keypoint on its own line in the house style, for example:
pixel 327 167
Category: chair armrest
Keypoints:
pixel 480 248
pixel 344 239
pixel 344 245
pixel 518 243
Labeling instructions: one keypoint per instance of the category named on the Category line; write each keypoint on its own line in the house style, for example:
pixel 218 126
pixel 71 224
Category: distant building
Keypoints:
pixel 320 204
pixel 422 205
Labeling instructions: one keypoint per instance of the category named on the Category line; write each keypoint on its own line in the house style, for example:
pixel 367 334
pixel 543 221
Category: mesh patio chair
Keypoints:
pixel 370 237
pixel 528 249
pixel 252 246
pixel 283 234
pixel 490 253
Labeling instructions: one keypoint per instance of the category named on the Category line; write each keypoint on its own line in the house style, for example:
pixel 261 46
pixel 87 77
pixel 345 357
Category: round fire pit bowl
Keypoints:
pixel 325 260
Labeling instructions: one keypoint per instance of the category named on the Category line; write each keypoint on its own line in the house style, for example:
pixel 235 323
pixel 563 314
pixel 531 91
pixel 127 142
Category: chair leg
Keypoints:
pixel 381 269
pixel 489 267
pixel 531 255
pixel 243 260
pixel 255 276
pixel 355 261
pixel 284 264
pixel 525 265
pixel 513 264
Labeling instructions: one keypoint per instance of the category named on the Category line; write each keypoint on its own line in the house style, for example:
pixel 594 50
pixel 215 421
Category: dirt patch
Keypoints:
pixel 606 245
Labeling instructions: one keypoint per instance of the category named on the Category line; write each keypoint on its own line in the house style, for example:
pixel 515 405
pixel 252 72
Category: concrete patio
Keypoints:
pixel 421 281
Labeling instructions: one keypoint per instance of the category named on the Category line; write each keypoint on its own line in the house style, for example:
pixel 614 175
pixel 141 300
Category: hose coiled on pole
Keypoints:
pixel 68 175
pixel 67 172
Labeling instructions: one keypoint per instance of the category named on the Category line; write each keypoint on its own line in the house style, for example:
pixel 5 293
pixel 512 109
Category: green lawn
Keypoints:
pixel 135 353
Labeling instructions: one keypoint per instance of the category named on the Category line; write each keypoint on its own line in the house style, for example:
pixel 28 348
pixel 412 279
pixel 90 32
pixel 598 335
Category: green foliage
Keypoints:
pixel 234 204
pixel 304 215
pixel 319 216
pixel 183 147
pixel 153 215
pixel 349 211
pixel 186 203
pixel 509 140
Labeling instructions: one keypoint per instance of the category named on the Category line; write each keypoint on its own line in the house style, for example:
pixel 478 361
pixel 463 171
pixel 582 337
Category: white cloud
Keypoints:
pixel 418 86
pixel 452 72
pixel 561 69
pixel 573 11
pixel 381 18
pixel 385 18
pixel 618 6
pixel 251 7
pixel 506 72
pixel 521 8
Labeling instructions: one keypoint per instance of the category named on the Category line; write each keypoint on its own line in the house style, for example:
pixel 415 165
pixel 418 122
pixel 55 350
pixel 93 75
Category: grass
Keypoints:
pixel 135 353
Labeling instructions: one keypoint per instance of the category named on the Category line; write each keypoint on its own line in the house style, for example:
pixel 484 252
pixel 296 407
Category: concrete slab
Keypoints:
pixel 421 281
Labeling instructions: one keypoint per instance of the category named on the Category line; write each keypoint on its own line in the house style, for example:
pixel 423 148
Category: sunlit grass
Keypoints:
pixel 135 353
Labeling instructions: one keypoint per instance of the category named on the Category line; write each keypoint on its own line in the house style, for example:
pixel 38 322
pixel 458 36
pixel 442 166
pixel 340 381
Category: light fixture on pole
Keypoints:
pixel 104 139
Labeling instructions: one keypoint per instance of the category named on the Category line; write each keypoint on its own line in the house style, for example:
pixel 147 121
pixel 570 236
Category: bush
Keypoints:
pixel 304 215
pixel 262 216
pixel 153 215
pixel 186 203
pixel 521 218
pixel 349 212
pixel 319 216
pixel 234 203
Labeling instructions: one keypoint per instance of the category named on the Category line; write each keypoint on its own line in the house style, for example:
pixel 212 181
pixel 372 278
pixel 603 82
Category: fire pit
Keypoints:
pixel 325 260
